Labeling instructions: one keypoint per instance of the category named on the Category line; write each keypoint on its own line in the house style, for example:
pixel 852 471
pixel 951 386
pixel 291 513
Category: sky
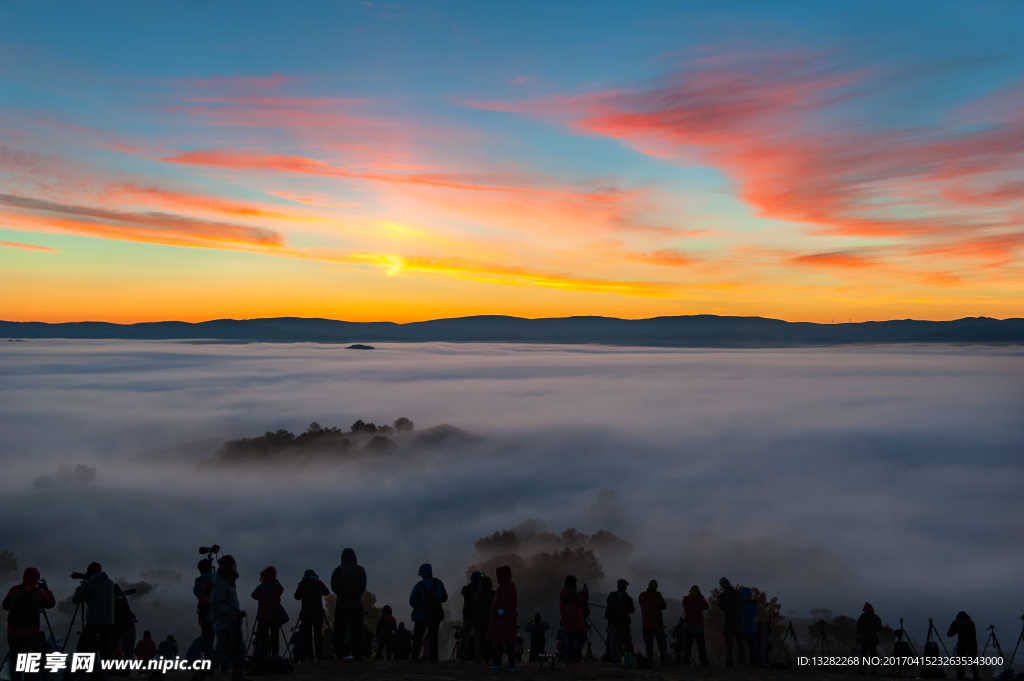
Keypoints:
pixel 408 161
pixel 827 477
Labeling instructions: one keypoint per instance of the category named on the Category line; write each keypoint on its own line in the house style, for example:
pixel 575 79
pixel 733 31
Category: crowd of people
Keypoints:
pixel 488 634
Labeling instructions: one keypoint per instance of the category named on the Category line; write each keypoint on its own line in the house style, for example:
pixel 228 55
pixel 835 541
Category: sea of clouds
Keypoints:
pixel 826 477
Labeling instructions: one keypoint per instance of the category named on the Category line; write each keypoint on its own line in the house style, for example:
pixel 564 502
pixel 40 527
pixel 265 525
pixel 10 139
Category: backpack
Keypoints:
pixel 902 649
pixel 24 610
pixel 432 610
pixel 629 661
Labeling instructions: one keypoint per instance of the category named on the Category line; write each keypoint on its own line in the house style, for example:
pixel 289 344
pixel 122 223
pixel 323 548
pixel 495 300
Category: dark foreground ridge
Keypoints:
pixel 683 331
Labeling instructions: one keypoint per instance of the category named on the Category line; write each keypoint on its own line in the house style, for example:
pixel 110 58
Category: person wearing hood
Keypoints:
pixel 226 620
pixel 97 594
pixel 694 605
pixel 145 649
pixel 482 600
pixel 731 604
pixel 750 623
pixel 467 648
pixel 651 606
pixel 573 607
pixel 348 582
pixel 619 607
pixel 502 625
pixel 868 626
pixel 387 625
pixel 311 591
pixel 538 637
pixel 23 604
pixel 271 614
pixel 966 633
pixel 427 612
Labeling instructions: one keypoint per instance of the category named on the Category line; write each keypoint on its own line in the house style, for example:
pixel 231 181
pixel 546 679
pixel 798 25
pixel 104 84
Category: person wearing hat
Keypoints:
pixel 694 605
pixel 226 618
pixel 868 626
pixel 23 603
pixel 311 592
pixel 730 602
pixel 651 606
pixel 427 614
pixel 348 582
pixel 96 592
pixel 619 607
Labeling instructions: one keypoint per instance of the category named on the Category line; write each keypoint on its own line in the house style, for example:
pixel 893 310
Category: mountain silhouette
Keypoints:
pixel 681 331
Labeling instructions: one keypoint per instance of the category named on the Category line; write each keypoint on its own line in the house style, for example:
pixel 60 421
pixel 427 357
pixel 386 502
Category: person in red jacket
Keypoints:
pixel 651 605
pixel 694 606
pixel 502 628
pixel 23 604
pixel 145 649
pixel 271 613
pixel 573 609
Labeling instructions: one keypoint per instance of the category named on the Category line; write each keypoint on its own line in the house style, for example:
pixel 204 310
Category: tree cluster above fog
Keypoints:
pixel 316 440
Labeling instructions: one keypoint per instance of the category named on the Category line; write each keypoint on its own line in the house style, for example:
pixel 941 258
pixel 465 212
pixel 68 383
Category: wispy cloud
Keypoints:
pixel 149 227
pixel 28 247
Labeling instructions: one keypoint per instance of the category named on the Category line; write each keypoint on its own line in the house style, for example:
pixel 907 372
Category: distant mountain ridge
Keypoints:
pixel 681 331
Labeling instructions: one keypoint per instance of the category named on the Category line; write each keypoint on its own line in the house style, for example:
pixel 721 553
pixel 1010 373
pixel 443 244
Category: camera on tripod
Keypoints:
pixel 211 552
pixel 79 575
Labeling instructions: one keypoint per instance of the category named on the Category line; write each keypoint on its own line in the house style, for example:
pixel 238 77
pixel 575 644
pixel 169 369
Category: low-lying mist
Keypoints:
pixel 825 477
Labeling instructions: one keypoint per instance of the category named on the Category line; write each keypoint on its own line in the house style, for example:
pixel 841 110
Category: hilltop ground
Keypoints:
pixel 456 671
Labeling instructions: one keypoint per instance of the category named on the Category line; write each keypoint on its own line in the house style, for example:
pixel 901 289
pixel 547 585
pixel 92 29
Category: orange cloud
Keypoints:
pixel 509 275
pixel 765 121
pixel 510 199
pixel 844 260
pixel 151 227
pixel 28 247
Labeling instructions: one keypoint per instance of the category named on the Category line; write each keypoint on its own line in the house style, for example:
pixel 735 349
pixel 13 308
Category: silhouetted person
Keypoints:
pixel 124 624
pixel 311 591
pixel 573 608
pixel 427 612
pixel 403 642
pixel 467 646
pixel 619 607
pixel 868 626
pixel 348 582
pixel 694 605
pixel 750 623
pixel 651 606
pixel 226 620
pixel 23 603
pixel 538 637
pixel 482 601
pixel 145 649
pixel 203 645
pixel 502 626
pixel 387 625
pixel 271 613
pixel 168 648
pixel 97 594
pixel 966 633
pixel 731 604
pixel 677 639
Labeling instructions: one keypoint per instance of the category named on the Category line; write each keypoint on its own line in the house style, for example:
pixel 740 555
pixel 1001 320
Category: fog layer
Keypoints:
pixel 825 477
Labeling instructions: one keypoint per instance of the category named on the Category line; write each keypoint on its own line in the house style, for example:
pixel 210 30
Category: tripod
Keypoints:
pixel 823 638
pixel 993 641
pixel 782 641
pixel 457 648
pixel 1019 639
